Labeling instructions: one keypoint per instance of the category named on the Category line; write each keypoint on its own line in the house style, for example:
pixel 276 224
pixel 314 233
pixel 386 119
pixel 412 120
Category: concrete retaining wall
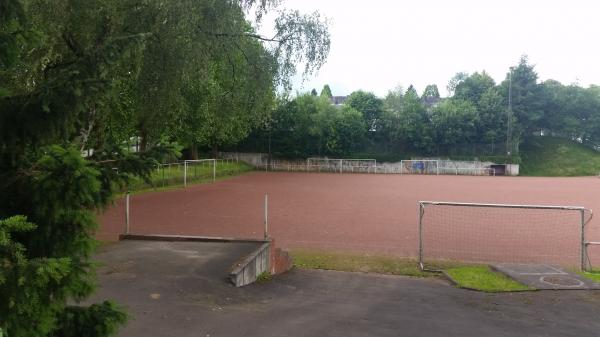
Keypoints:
pixel 254 159
pixel 248 269
pixel 265 259
pixel 442 166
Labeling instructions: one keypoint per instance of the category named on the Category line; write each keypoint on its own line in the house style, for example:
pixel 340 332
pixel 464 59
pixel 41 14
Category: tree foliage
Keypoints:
pixel 369 105
pixel 91 76
pixel 326 91
pixel 431 91
pixel 473 120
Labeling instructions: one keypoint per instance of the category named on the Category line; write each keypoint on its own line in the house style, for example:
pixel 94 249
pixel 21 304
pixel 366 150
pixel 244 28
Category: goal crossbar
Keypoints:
pixel 191 161
pixel 446 203
pixel 580 219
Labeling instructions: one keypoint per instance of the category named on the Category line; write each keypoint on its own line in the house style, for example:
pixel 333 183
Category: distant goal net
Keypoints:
pixel 198 170
pixel 420 166
pixel 501 233
pixel 341 165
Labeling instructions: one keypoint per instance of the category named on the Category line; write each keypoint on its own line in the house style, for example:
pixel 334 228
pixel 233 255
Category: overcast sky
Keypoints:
pixel 378 44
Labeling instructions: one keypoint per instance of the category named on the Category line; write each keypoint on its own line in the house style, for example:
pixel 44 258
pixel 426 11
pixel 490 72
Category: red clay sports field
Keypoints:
pixel 351 212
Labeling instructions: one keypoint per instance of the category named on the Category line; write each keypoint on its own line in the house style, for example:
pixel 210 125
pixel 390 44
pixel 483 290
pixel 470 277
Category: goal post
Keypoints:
pixel 420 166
pixel 341 165
pixel 502 233
pixel 199 169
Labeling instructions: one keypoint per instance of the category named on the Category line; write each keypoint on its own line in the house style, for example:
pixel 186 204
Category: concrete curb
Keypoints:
pixel 156 237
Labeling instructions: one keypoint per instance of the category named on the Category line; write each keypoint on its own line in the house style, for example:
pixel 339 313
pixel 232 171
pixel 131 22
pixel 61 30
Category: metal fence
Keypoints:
pixel 186 171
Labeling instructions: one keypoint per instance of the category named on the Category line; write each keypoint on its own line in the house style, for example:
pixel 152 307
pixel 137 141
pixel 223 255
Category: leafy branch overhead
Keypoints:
pixel 298 39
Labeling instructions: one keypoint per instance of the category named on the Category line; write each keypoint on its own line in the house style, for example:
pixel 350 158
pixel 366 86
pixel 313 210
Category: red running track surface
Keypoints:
pixel 344 212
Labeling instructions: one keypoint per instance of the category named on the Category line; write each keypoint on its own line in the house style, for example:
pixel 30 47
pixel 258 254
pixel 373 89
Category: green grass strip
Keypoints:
pixel 593 275
pixel 355 262
pixel 484 279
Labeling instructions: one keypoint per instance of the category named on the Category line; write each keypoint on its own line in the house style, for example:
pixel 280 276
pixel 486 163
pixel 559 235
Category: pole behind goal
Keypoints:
pixel 502 233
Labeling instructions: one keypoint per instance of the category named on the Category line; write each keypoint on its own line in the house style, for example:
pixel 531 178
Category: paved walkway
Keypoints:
pixel 179 291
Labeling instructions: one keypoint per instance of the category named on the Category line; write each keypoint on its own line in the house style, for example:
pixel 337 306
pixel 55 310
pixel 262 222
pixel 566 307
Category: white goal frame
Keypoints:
pixel 341 162
pixel 185 168
pixel 437 164
pixel 582 210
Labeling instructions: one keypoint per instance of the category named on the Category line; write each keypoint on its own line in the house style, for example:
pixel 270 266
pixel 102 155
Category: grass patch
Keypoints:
pixel 264 277
pixel 593 275
pixel 484 279
pixel 467 276
pixel 365 263
pixel 553 157
pixel 171 177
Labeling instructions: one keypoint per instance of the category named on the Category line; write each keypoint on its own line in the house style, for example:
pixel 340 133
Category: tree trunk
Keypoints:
pixel 143 141
pixel 194 152
pixel 215 151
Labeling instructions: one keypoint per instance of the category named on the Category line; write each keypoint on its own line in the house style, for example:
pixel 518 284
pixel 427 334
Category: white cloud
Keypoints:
pixel 379 44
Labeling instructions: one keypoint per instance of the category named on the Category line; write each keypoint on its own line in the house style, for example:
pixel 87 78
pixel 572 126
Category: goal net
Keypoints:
pixel 200 169
pixel 502 233
pixel 341 165
pixel 420 166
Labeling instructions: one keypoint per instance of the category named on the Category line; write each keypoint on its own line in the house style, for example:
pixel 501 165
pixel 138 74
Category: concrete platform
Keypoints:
pixel 543 276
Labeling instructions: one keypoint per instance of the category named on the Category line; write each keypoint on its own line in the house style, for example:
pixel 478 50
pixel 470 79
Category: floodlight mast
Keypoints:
pixel 509 113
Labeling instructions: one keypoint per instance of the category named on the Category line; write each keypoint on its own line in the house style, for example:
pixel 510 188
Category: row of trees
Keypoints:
pixel 476 119
pixel 93 75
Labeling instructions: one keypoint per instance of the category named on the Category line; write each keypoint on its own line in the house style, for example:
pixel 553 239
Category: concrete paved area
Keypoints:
pixel 177 290
pixel 545 277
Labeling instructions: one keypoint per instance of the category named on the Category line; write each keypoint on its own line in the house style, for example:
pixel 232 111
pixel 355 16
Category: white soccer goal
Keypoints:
pixel 199 169
pixel 417 166
pixel 341 165
pixel 502 233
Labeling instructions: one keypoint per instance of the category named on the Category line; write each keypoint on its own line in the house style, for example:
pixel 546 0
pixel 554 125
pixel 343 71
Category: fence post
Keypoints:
pixel 421 211
pixel 583 246
pixel 266 216
pixel 214 170
pixel 341 166
pixel 127 213
pixel 185 173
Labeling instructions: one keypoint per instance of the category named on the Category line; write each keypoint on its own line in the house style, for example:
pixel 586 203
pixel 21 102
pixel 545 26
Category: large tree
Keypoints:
pixel 431 91
pixel 326 91
pixel 525 99
pixel 90 75
pixel 455 122
pixel 369 105
pixel 473 86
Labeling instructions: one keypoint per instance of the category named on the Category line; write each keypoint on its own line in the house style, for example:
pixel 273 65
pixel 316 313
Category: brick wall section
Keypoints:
pixel 281 261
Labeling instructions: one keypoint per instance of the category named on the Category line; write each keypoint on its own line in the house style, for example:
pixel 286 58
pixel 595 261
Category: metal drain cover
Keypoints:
pixel 563 281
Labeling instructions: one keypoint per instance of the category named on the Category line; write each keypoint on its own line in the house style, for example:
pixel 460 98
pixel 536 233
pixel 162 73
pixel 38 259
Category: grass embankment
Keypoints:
pixel 467 276
pixel 554 157
pixel 172 176
pixel 482 278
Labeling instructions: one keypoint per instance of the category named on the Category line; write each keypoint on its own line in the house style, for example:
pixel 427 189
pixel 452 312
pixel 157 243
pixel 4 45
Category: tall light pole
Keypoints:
pixel 509 113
